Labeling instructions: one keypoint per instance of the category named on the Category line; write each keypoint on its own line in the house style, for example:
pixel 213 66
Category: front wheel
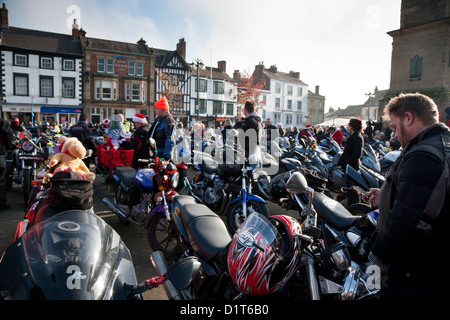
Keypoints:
pixel 26 185
pixel 235 217
pixel 162 236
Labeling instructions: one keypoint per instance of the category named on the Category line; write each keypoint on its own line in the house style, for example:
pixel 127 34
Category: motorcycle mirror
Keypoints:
pixel 296 183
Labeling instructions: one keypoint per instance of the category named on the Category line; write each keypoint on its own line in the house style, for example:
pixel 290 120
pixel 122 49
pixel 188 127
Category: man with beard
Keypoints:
pixel 412 240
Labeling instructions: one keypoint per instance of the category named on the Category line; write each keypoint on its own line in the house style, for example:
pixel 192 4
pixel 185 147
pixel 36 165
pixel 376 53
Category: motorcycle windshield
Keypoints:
pixel 72 255
pixel 259 232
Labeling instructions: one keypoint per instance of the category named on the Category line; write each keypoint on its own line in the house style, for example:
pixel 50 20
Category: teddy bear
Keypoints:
pixel 69 158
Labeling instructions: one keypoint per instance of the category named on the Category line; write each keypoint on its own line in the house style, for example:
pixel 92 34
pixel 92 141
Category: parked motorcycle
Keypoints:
pixel 267 258
pixel 73 255
pixel 141 194
pixel 225 188
pixel 26 159
pixel 325 218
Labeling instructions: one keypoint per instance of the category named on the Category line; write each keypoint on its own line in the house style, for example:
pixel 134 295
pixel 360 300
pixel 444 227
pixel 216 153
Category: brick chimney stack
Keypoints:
pixel 4 19
pixel 222 65
pixel 181 48
pixel 75 30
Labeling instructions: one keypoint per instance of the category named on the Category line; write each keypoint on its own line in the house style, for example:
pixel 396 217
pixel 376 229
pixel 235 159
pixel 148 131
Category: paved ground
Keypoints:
pixel 133 236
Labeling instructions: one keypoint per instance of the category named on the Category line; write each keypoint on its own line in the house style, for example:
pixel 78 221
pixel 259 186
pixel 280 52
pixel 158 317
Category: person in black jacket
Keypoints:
pixel 250 121
pixel 352 152
pixel 82 132
pixel 412 240
pixel 7 138
pixel 354 147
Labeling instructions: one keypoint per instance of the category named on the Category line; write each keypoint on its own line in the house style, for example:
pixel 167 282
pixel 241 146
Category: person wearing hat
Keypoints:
pixel 162 128
pixel 139 139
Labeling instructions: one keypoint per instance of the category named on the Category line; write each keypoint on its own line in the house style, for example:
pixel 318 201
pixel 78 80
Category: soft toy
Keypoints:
pixel 72 150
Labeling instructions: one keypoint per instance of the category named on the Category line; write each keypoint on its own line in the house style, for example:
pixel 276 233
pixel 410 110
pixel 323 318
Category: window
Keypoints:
pixel 299 105
pixel 105 90
pixel 136 92
pixel 299 91
pixel 289 104
pixel 20 84
pixel 202 86
pixel 276 118
pixel 277 103
pixel 21 60
pixel 289 119
pixel 110 66
pixel 46 86
pixel 218 87
pixel 101 65
pixel 415 68
pixel 131 68
pixel 68 87
pixel 217 107
pixel 277 87
pixel 68 65
pixel 202 106
pixel 46 63
pixel 229 109
pixel 140 69
pixel 289 90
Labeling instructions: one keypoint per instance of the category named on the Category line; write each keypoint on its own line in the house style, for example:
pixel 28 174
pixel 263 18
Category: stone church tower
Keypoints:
pixel 421 52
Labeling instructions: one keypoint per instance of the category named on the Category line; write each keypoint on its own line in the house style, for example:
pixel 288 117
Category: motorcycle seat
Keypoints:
pixel 206 230
pixel 126 175
pixel 333 212
pixel 43 212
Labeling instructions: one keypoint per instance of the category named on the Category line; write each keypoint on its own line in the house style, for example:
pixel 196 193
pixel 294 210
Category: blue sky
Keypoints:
pixel 340 45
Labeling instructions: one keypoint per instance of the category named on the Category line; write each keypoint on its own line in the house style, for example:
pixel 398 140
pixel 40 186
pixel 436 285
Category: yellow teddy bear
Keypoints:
pixel 71 152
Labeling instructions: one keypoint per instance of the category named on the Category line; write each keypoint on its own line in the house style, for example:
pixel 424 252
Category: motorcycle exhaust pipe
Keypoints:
pixel 114 208
pixel 161 266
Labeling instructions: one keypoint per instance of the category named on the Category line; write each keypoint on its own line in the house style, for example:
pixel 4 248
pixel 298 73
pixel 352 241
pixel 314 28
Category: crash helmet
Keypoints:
pixel 15 121
pixel 264 254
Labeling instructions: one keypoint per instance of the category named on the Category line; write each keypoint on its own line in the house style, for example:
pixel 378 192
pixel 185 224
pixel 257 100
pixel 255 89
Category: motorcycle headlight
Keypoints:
pixel 175 179
pixel 27 146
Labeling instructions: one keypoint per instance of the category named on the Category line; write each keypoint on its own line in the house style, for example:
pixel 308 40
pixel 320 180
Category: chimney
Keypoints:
pixel 141 42
pixel 181 48
pixel 236 75
pixel 294 74
pixel 4 19
pixel 317 90
pixel 75 30
pixel 273 68
pixel 222 65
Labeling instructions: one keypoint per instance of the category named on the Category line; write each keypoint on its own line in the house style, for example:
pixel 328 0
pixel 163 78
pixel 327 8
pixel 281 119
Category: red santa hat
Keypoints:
pixel 140 118
pixel 106 123
pixel 308 126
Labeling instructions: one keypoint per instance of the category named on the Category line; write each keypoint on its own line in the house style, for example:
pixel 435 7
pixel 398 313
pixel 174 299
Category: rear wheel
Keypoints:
pixel 235 217
pixel 162 236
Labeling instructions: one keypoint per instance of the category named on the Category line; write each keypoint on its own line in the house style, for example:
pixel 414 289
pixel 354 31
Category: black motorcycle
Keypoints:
pixel 73 255
pixel 268 258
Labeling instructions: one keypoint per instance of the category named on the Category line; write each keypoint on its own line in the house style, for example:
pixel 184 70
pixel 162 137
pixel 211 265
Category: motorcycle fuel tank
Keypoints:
pixel 143 180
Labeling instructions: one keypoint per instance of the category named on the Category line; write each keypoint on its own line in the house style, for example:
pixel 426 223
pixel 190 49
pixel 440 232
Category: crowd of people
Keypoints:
pixel 412 242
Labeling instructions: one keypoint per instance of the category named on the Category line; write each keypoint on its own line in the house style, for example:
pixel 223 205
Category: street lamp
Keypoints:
pixel 197 63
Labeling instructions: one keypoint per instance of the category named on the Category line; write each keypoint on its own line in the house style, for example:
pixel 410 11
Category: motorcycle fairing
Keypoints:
pixel 73 255
pixel 249 197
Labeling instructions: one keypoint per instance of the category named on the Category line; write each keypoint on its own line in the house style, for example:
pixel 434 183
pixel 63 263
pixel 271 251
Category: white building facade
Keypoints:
pixel 284 97
pixel 213 96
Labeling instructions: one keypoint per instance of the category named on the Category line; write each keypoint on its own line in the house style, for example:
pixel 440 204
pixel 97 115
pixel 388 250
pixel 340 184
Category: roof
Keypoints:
pixel 215 72
pixel 283 76
pixel 351 111
pixel 117 46
pixel 43 41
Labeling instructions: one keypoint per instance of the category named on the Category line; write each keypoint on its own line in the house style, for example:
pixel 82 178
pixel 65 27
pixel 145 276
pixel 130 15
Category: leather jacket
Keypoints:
pixel 412 239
